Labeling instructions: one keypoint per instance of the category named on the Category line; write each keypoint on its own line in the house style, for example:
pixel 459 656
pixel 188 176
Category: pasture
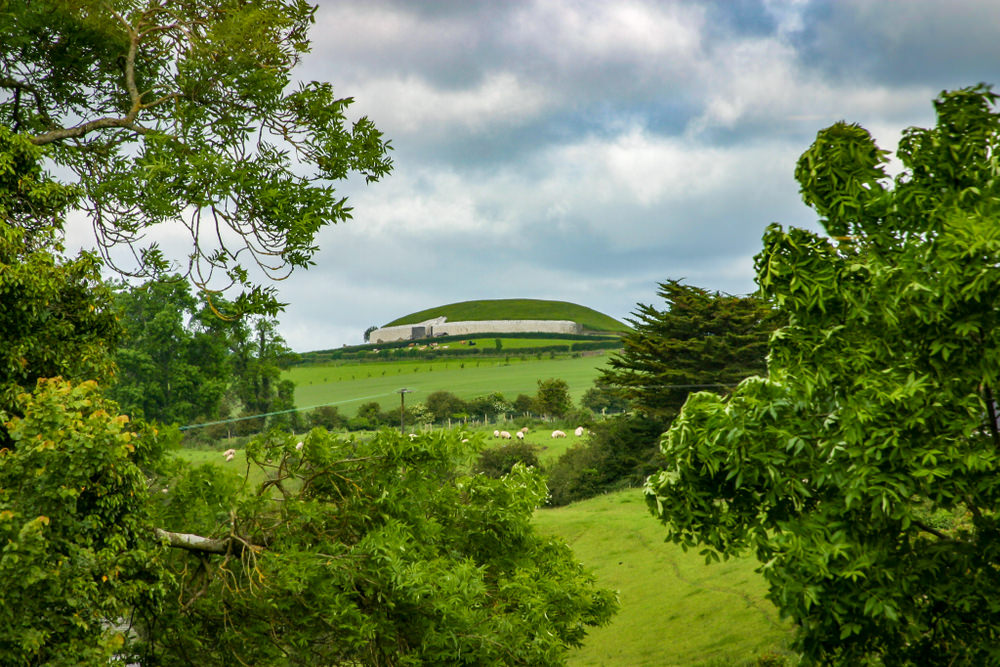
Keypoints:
pixel 675 609
pixel 348 385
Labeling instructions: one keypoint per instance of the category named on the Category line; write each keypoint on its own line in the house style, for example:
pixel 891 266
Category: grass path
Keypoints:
pixel 676 610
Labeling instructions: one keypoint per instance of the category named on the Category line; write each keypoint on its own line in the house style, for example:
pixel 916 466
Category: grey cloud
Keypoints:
pixel 941 44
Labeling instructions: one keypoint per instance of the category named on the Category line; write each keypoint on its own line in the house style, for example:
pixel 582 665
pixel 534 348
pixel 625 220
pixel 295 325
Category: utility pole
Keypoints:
pixel 402 408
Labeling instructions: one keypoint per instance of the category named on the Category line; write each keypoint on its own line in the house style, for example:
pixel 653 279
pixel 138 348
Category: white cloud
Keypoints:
pixel 410 105
pixel 761 81
pixel 596 30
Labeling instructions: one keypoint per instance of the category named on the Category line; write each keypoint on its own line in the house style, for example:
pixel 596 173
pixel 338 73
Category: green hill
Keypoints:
pixel 516 309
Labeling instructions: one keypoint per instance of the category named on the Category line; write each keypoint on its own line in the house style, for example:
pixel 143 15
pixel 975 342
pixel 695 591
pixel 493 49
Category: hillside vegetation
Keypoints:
pixel 516 309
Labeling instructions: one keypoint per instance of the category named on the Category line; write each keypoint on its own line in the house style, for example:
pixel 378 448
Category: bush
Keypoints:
pixel 498 461
pixel 328 417
pixel 444 404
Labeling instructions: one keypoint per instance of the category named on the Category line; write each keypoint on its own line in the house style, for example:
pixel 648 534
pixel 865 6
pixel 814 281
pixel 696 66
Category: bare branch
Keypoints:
pixel 198 543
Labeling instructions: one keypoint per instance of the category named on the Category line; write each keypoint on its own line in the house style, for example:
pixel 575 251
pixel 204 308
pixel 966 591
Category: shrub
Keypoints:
pixel 328 417
pixel 498 461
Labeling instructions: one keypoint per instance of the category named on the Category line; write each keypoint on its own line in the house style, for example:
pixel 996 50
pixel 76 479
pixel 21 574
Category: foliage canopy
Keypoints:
pixel 183 112
pixel 862 469
pixel 700 339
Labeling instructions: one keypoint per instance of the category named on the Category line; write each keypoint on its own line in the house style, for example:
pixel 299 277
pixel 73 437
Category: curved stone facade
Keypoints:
pixel 441 327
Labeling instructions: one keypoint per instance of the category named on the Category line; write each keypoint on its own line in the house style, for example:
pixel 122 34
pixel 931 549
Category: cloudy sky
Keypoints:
pixel 584 150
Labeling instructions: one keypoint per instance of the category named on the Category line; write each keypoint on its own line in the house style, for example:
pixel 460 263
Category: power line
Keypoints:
pixel 283 412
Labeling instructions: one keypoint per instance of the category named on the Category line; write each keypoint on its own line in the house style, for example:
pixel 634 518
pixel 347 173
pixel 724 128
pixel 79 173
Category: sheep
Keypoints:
pixel 558 434
pixel 504 435
pixel 298 446
pixel 578 431
pixel 524 430
pixel 229 454
pixel 496 434
pixel 520 435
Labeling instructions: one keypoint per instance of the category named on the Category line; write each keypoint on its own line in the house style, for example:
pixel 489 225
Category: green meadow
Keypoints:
pixel 348 385
pixel 675 608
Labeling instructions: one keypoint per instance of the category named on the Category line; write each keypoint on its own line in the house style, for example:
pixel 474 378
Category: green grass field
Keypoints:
pixel 676 610
pixel 516 309
pixel 348 385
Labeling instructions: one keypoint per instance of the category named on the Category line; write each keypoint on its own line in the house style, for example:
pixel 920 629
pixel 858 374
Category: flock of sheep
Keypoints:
pixel 505 435
pixel 229 454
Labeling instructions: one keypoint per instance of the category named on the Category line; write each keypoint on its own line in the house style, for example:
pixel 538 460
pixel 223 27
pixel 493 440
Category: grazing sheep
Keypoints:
pixel 230 457
pixel 524 430
pixel 558 434
pixel 496 434
pixel 504 435
pixel 578 431
pixel 520 435
pixel 229 453
pixel 298 446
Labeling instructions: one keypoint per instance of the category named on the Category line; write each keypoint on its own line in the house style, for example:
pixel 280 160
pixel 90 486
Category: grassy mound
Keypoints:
pixel 516 309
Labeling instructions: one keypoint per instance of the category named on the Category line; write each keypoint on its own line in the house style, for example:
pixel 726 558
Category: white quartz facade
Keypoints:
pixel 441 327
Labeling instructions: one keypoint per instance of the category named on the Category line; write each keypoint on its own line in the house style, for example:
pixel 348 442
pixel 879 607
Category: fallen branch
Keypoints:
pixel 198 543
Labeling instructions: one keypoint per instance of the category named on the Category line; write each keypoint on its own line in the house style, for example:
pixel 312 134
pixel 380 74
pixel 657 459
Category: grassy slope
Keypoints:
pixel 516 309
pixel 676 610
pixel 350 385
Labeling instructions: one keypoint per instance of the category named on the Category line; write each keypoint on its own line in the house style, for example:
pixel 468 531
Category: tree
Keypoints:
pixel 490 405
pixel 701 339
pixel 173 358
pixel 420 563
pixel 444 404
pixel 56 318
pixel 79 551
pixel 603 398
pixel 862 469
pixel 327 417
pixel 552 398
pixel 524 404
pixel 257 355
pixel 183 113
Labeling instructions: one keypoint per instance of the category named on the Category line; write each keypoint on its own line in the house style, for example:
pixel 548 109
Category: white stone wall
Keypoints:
pixel 439 327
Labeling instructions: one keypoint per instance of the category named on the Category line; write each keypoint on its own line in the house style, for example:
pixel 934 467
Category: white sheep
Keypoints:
pixel 578 431
pixel 229 454
pixel 558 434
pixel 504 435
pixel 496 434
pixel 524 430
pixel 520 435
pixel 298 446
